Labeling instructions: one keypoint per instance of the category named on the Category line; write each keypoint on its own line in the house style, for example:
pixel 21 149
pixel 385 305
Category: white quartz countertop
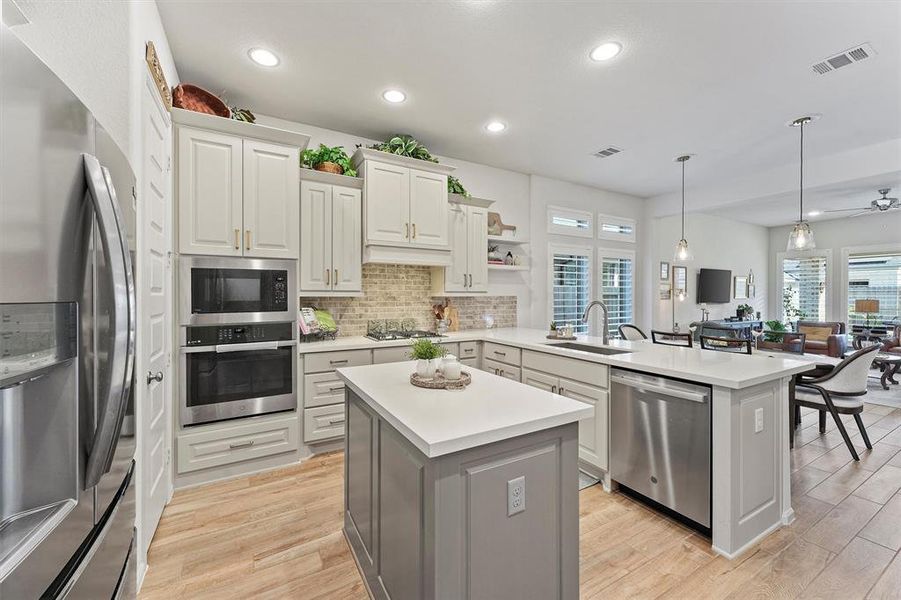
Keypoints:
pixel 723 369
pixel 440 422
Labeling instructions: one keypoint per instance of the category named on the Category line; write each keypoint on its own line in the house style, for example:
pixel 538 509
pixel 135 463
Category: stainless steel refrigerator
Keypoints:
pixel 67 343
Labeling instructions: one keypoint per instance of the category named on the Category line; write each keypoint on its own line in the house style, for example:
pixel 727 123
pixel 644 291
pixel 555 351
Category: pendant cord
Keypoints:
pixel 801 187
pixel 683 199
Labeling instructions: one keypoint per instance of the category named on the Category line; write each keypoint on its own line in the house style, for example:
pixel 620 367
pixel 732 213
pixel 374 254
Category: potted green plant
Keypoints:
pixel 329 159
pixel 774 331
pixel 405 145
pixel 553 332
pixel 427 355
pixel 745 310
pixel 455 186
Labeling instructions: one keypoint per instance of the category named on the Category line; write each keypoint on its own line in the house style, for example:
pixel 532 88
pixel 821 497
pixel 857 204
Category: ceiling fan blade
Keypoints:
pixel 848 209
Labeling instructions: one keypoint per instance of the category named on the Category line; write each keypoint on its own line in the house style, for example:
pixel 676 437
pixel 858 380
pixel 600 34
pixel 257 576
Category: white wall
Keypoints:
pixel 717 243
pixel 880 231
pixel 508 189
pixel 552 192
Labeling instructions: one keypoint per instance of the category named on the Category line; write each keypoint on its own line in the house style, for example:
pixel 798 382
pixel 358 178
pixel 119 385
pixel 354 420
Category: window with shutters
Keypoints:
pixel 805 287
pixel 875 277
pixel 570 284
pixel 616 228
pixel 617 288
pixel 568 221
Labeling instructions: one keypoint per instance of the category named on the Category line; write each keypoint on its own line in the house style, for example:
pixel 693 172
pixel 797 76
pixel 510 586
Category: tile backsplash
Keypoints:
pixel 404 292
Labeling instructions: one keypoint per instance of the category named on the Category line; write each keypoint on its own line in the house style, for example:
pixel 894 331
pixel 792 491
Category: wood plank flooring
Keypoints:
pixel 278 534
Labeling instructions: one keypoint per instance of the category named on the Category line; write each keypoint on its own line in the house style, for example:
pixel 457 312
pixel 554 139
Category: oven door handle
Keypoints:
pixel 222 348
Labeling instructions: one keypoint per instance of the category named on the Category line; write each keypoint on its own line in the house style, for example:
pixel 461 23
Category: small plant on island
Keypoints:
pixel 426 349
pixel 329 159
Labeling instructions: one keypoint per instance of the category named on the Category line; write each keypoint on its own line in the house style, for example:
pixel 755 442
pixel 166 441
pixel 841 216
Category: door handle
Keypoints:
pixel 247 239
pixel 237 239
pixel 151 377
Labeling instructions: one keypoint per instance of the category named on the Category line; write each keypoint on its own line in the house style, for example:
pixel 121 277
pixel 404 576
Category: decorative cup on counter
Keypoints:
pixel 427 368
pixel 451 368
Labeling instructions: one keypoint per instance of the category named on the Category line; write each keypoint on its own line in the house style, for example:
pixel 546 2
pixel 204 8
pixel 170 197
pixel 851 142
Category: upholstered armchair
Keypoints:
pixel 893 344
pixel 823 337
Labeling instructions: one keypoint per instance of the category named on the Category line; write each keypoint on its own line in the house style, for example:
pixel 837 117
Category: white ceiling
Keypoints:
pixel 782 209
pixel 716 79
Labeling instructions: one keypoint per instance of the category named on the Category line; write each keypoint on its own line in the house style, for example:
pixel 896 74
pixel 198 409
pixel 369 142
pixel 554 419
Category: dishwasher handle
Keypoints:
pixel 647 386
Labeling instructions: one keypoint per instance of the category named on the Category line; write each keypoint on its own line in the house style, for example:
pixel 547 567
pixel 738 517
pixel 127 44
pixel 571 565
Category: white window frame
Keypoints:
pixel 620 221
pixel 570 213
pixel 613 253
pixel 587 251
pixel 780 280
pixel 846 254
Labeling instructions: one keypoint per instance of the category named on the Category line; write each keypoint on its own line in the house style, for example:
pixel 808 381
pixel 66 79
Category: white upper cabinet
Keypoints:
pixel 468 271
pixel 428 208
pixel 271 183
pixel 315 236
pixel 331 235
pixel 456 276
pixel 477 248
pixel 238 185
pixel 387 203
pixel 347 239
pixel 209 192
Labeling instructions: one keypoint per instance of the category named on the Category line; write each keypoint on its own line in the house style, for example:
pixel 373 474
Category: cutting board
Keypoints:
pixel 453 316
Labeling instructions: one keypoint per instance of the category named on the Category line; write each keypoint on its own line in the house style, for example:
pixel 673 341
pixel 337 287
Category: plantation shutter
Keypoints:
pixel 804 288
pixel 617 291
pixel 571 285
pixel 874 277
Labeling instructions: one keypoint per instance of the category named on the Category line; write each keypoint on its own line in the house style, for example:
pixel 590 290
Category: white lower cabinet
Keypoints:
pixel 323 392
pixel 323 423
pixel 223 445
pixel 501 369
pixel 590 388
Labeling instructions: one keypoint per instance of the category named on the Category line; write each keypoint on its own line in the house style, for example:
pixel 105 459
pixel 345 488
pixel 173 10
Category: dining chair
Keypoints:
pixel 726 344
pixel 838 392
pixel 669 338
pixel 631 333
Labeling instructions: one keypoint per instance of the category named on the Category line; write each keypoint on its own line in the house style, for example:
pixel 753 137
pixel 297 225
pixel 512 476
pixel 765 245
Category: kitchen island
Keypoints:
pixel 453 494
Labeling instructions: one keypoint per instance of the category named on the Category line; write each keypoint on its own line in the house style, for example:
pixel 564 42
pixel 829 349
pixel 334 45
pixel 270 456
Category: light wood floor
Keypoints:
pixel 278 535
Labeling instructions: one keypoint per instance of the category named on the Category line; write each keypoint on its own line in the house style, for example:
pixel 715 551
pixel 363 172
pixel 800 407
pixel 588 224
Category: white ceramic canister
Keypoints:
pixel 451 367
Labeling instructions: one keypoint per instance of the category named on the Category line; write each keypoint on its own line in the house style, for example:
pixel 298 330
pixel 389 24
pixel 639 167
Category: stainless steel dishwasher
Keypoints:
pixel 660 441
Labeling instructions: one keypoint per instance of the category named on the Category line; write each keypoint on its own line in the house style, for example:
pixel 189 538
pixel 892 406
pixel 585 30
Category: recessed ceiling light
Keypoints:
pixel 495 126
pixel 814 213
pixel 263 57
pixel 606 51
pixel 394 96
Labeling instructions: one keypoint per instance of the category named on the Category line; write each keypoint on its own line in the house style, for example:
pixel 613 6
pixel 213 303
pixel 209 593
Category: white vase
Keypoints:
pixel 434 365
pixel 424 369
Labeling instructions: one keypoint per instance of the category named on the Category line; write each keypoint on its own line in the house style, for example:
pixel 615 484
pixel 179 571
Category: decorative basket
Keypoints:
pixel 197 99
pixel 330 167
pixel 440 383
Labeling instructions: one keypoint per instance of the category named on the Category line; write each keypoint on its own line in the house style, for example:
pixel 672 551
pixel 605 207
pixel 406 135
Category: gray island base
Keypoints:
pixel 496 520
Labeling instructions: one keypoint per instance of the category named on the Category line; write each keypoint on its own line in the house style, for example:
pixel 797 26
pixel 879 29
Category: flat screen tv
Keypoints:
pixel 714 286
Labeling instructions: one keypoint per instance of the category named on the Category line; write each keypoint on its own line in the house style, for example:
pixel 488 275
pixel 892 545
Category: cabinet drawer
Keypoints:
pixel 329 361
pixel 394 354
pixel 320 389
pixel 470 363
pixel 234 443
pixel 504 354
pixel 469 350
pixel 577 370
pixel 323 423
pixel 452 348
pixel 548 383
pixel 501 369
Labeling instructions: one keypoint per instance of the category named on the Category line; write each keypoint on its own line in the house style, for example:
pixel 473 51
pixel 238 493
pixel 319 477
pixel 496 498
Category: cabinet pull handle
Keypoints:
pixel 465 276
pixel 553 389
pixel 468 350
pixel 336 277
pixel 336 389
pixel 328 277
pixel 338 362
pixel 414 231
pixel 561 390
pixel 237 239
pixel 502 372
pixel 335 421
pixel 235 445
pixel 407 231
pixel 500 353
pixel 247 239
pixel 497 371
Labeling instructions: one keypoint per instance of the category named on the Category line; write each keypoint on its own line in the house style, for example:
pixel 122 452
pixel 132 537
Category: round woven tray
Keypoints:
pixel 440 383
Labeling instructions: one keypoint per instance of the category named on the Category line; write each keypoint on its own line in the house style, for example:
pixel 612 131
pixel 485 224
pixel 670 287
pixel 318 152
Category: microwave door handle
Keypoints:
pixel 222 348
pixel 120 360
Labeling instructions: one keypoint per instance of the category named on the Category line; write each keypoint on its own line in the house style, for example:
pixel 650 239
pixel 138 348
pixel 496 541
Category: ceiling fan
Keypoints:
pixel 878 205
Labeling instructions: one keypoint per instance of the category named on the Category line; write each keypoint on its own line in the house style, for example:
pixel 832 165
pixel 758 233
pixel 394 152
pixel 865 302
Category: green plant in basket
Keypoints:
pixel 325 155
pixel 454 186
pixel 426 349
pixel 405 145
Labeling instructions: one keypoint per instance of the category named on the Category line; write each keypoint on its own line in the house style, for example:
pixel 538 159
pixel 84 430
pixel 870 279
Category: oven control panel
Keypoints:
pixel 213 335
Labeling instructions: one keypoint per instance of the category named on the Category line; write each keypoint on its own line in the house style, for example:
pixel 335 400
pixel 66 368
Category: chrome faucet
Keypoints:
pixel 605 335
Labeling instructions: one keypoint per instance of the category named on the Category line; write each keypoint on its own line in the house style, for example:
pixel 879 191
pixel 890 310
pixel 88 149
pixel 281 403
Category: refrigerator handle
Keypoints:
pixel 122 320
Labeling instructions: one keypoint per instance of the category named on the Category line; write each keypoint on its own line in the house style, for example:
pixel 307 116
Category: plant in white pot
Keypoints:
pixel 427 355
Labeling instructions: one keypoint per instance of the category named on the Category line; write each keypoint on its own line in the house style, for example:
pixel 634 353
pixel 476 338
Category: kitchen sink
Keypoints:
pixel 587 348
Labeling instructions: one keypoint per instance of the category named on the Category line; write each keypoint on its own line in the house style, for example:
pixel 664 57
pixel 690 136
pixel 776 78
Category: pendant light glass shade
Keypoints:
pixel 801 236
pixel 683 252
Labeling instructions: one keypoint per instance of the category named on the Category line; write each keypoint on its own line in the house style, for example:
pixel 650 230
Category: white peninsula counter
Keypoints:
pixel 453 494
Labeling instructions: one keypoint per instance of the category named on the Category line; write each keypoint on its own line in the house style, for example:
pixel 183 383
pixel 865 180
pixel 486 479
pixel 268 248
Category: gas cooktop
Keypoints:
pixel 385 336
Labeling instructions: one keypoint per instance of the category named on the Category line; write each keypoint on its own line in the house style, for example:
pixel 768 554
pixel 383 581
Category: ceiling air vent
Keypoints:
pixel 843 59
pixel 608 151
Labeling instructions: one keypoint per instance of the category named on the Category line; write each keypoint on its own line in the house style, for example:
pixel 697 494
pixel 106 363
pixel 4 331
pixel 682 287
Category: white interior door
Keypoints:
pixel 154 486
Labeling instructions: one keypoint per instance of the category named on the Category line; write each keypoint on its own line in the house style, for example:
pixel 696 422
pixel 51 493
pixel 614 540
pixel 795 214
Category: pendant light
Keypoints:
pixel 801 236
pixel 683 252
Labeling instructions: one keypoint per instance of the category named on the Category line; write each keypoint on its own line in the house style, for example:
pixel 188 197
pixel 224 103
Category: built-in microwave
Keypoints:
pixel 215 291
pixel 232 371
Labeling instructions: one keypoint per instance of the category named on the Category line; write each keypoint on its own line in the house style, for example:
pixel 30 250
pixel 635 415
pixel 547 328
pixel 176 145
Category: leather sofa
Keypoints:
pixel 893 344
pixel 824 337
